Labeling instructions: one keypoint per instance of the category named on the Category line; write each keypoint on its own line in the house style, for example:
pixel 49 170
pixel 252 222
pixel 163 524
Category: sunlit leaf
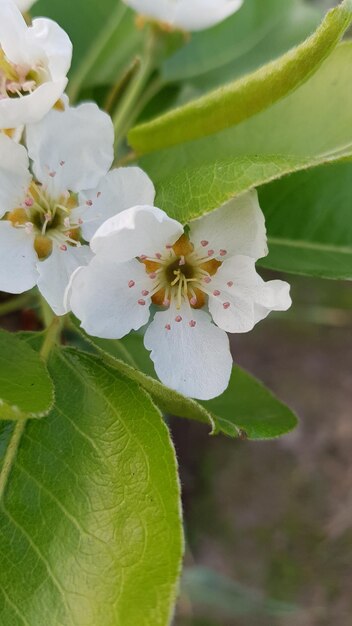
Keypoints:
pixel 90 530
pixel 26 389
pixel 238 101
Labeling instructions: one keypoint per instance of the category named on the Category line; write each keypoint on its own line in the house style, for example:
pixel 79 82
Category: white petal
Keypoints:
pixel 17 259
pixel 274 296
pixel 13 33
pixel 14 174
pixel 239 297
pixel 120 189
pixel 71 149
pixel 141 230
pixel 189 15
pixel 55 273
pixel 100 296
pixel 191 356
pixel 44 45
pixel 56 45
pixel 238 227
pixel 31 108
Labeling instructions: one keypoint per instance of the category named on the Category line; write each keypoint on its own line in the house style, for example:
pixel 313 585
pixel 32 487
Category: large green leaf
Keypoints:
pixel 309 127
pixel 246 409
pixel 26 389
pixel 308 213
pixel 238 101
pixel 255 35
pixel 90 530
pixel 308 217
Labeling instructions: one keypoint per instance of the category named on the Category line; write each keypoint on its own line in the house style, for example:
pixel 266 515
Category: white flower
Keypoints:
pixel 34 61
pixel 190 15
pixel 50 214
pixel 198 275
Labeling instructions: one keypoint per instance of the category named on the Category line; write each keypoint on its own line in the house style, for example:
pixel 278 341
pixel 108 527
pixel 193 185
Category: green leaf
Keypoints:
pixel 258 33
pixel 308 216
pixel 117 356
pixel 246 409
pixel 249 410
pixel 90 530
pixel 26 389
pixel 234 103
pixel 200 176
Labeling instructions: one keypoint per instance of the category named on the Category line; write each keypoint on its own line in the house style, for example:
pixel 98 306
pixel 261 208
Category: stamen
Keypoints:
pixel 216 292
pixel 178 276
pixel 145 292
pixel 223 252
pixel 167 327
pixel 141 302
pixel 131 283
pixel 192 323
pixel 230 283
pixel 226 305
pixel 204 243
pixel 178 318
pixel 210 252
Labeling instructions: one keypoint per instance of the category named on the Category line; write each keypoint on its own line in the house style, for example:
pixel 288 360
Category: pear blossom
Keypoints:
pixel 34 62
pixel 189 15
pixel 50 213
pixel 202 278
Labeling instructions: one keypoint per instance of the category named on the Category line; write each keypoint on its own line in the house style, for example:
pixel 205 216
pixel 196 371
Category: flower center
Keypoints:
pixel 48 219
pixel 180 274
pixel 17 81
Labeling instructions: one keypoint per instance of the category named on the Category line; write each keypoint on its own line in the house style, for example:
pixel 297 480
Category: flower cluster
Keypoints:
pixel 90 236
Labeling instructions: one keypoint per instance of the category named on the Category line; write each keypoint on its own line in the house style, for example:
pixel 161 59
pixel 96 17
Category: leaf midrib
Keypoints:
pixel 309 245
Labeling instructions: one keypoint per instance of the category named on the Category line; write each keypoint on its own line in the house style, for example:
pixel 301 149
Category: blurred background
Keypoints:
pixel 269 525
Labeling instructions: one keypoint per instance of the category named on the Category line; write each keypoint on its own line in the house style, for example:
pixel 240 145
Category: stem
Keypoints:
pixel 15 304
pixel 10 455
pixel 117 89
pixel 94 53
pixel 51 337
pixel 136 87
pixel 149 93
